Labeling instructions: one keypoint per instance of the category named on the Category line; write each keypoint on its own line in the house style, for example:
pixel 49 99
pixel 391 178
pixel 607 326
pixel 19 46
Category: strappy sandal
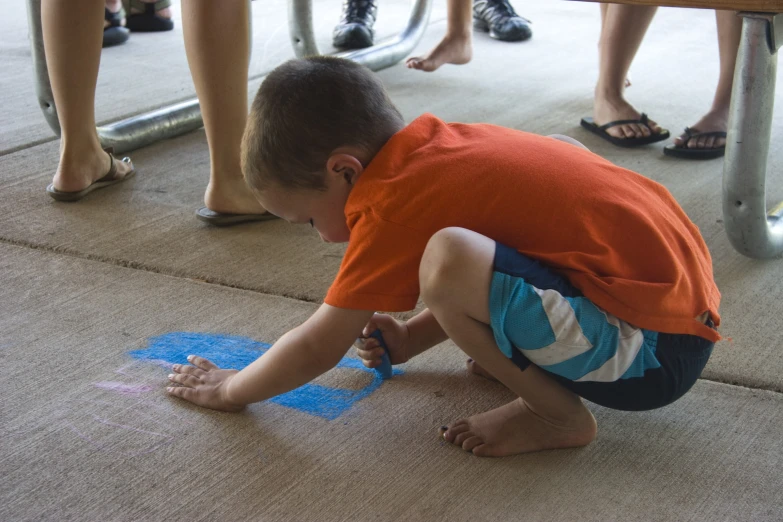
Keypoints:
pixel 114 33
pixel 106 181
pixel 590 125
pixel 143 17
pixel 683 151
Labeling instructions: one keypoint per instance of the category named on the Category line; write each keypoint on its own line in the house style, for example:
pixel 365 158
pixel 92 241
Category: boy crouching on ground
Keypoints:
pixel 558 273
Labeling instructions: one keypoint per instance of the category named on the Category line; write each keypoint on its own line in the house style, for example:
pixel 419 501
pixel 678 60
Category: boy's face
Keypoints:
pixel 323 210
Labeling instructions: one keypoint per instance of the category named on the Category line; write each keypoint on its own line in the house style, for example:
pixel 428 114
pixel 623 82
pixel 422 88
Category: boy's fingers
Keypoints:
pixel 371 354
pixel 186 368
pixel 365 344
pixel 371 363
pixel 185 379
pixel 202 363
pixel 189 394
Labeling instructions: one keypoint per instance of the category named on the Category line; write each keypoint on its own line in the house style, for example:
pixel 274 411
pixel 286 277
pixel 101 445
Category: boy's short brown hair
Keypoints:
pixel 304 110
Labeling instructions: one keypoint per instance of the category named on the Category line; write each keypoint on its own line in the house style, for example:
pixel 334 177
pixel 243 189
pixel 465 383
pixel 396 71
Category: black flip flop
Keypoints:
pixel 115 33
pixel 590 125
pixel 148 21
pixel 220 219
pixel 683 151
pixel 106 181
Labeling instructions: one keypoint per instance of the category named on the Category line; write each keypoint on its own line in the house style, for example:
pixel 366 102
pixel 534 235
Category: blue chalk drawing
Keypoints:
pixel 229 351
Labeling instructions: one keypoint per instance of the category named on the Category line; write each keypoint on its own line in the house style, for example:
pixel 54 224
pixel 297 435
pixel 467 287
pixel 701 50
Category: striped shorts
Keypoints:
pixel 539 318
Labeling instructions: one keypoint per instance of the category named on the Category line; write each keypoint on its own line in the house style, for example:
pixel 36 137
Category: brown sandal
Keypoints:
pixel 106 181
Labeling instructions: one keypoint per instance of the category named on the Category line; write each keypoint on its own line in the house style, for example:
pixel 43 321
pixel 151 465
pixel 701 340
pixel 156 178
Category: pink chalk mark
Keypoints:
pixel 167 439
pixel 125 389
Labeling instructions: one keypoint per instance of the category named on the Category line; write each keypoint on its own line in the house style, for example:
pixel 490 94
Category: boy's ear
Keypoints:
pixel 345 167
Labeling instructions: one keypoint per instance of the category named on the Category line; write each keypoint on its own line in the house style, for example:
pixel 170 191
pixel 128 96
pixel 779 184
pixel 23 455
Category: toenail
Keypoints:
pixel 444 428
pixel 470 360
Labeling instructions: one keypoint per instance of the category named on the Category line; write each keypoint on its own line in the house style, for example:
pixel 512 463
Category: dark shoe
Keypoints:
pixel 683 151
pixel 355 28
pixel 654 137
pixel 115 33
pixel 499 19
pixel 148 20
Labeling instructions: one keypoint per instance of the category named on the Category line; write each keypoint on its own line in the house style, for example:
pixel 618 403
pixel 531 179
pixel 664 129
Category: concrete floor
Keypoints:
pixel 93 291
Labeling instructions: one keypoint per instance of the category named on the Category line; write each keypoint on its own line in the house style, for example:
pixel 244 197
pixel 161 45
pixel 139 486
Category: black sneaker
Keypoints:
pixel 499 19
pixel 355 28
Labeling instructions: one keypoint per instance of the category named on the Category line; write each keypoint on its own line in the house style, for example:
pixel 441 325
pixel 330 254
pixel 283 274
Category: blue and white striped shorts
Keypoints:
pixel 538 317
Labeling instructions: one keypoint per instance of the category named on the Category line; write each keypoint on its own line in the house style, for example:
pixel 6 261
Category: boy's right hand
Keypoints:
pixel 395 334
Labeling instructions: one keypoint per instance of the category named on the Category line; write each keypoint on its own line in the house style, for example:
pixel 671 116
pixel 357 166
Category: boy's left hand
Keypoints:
pixel 203 384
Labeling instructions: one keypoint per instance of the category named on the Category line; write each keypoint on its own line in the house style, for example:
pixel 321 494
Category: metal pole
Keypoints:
pixel 751 230
pixel 382 55
pixel 43 88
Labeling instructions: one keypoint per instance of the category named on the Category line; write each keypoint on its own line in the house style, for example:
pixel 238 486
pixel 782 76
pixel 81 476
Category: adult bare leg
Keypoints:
pixel 217 43
pixel 73 34
pixel 622 31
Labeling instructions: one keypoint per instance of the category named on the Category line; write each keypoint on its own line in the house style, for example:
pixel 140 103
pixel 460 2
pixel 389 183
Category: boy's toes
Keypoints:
pixel 483 450
pixel 454 430
pixel 472 442
pixel 461 437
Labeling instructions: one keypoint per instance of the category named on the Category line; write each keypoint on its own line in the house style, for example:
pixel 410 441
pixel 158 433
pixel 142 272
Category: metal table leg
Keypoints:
pixel 168 122
pixel 43 88
pixel 752 231
pixel 379 56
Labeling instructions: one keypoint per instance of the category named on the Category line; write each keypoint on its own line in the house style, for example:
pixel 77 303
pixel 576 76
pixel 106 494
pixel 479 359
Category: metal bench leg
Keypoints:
pixel 379 56
pixel 751 230
pixel 43 88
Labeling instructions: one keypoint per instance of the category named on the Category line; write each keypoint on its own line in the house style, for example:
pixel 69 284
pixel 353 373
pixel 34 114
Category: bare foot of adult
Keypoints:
pixel 232 196
pixel 516 428
pixel 607 109
pixel 78 171
pixel 713 121
pixel 476 369
pixel 454 49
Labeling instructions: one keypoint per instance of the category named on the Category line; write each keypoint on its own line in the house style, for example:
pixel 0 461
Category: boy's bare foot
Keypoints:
pixel 85 169
pixel 516 428
pixel 454 49
pixel 232 196
pixel 607 109
pixel 712 121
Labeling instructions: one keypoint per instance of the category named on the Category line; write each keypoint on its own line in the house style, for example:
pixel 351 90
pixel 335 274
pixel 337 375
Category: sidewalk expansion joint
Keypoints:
pixel 143 267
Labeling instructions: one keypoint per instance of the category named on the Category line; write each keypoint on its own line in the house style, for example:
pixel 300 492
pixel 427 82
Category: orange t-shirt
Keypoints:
pixel 618 237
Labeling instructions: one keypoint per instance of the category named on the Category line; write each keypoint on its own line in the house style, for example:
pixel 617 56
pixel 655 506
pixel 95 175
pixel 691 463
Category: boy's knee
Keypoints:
pixel 443 259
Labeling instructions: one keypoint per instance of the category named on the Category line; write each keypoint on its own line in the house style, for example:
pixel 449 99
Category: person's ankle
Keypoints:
pixel 459 35
pixel 77 155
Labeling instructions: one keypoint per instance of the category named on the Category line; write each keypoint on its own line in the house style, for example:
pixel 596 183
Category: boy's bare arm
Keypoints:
pixel 296 358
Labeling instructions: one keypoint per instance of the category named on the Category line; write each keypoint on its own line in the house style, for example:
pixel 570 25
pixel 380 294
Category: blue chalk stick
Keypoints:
pixel 385 369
